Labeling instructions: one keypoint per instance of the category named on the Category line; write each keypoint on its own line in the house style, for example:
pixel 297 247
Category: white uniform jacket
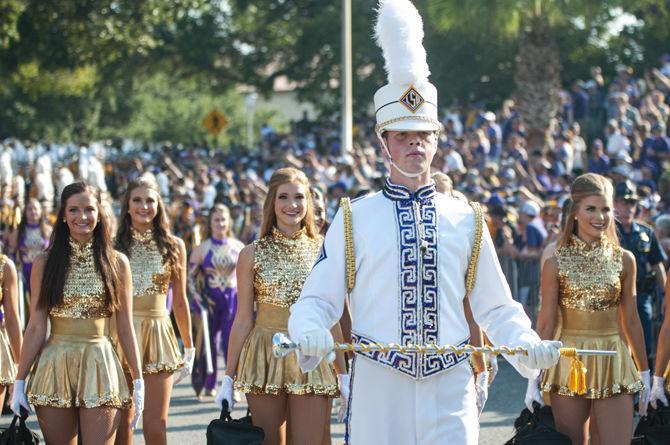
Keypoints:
pixel 412 252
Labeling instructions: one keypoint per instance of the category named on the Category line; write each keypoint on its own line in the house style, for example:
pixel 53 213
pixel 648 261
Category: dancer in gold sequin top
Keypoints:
pixel 11 336
pixel 76 382
pixel 157 260
pixel 270 275
pixel 590 280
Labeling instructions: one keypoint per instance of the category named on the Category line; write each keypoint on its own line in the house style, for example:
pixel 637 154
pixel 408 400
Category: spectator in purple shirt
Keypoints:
pixel 599 162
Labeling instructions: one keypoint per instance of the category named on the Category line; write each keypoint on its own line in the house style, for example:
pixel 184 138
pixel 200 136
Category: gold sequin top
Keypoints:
pixel 84 291
pixel 151 273
pixel 281 266
pixel 589 275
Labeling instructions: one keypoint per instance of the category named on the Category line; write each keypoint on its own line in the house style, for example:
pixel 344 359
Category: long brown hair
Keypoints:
pixel 44 224
pixel 58 254
pixel 166 243
pixel 589 184
pixel 279 177
pixel 219 208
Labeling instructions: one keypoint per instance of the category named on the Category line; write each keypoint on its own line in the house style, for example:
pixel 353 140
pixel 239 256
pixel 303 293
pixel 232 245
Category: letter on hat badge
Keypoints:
pixel 412 99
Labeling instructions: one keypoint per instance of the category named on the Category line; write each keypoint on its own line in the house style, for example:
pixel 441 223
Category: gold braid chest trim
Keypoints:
pixel 350 256
pixel 471 272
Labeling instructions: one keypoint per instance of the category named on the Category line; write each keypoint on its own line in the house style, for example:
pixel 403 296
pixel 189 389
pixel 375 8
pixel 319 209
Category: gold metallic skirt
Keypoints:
pixel 7 365
pixel 666 376
pixel 259 372
pixel 605 376
pixel 78 368
pixel 159 350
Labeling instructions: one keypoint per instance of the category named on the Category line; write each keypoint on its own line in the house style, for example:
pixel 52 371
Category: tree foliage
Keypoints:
pixel 70 69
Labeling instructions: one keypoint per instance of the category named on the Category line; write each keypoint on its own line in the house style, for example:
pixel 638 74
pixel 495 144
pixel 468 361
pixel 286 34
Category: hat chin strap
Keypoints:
pixel 394 165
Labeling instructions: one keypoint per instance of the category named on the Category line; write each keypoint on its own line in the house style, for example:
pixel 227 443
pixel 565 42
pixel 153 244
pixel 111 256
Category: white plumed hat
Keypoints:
pixel 409 101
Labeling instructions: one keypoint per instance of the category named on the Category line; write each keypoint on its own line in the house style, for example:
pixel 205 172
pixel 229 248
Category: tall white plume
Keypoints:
pixel 399 33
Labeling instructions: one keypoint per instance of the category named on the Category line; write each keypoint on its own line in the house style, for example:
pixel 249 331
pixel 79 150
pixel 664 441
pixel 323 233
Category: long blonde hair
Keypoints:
pixel 589 184
pixel 279 177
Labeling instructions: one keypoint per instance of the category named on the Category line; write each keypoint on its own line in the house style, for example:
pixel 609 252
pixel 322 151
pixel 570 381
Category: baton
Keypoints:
pixel 282 346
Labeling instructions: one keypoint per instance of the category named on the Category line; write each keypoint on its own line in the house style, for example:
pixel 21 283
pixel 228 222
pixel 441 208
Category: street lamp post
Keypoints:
pixel 347 120
pixel 250 102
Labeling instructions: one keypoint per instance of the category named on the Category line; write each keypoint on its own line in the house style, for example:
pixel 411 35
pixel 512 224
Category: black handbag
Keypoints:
pixel 228 431
pixel 537 428
pixel 18 434
pixel 654 428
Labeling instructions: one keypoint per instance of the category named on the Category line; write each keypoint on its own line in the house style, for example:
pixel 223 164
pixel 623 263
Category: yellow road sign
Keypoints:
pixel 214 122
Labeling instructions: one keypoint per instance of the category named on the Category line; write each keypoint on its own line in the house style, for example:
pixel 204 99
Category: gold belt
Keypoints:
pixel 586 323
pixel 271 316
pixel 151 313
pixel 80 326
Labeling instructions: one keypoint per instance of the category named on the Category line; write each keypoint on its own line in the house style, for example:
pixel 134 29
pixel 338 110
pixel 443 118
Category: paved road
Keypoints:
pixel 189 417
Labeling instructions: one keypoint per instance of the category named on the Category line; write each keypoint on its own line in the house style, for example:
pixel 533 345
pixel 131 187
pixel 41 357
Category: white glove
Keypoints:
pixel 493 362
pixel 533 394
pixel 644 394
pixel 343 381
pixel 482 389
pixel 138 402
pixel 19 398
pixel 187 369
pixel 542 355
pixel 318 343
pixel 658 392
pixel 225 392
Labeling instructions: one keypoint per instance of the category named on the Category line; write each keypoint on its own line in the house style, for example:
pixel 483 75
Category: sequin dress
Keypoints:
pixel 589 296
pixel 281 265
pixel 78 367
pixel 220 292
pixel 31 244
pixel 7 365
pixel 159 350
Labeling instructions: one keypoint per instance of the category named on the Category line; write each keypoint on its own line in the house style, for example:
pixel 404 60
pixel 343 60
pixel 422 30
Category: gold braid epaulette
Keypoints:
pixel 350 258
pixel 471 273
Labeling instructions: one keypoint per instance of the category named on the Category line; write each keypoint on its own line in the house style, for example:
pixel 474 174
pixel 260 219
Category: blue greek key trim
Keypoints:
pixel 407 363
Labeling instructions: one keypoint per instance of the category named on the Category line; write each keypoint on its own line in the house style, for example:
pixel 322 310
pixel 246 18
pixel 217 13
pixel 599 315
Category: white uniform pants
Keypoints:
pixel 387 407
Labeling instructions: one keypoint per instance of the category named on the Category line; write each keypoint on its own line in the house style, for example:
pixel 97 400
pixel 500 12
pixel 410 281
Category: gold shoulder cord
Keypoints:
pixel 350 259
pixel 476 248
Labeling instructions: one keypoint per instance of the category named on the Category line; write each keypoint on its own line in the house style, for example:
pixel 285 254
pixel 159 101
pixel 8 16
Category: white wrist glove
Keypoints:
pixel 482 389
pixel 318 343
pixel 493 362
pixel 19 398
pixel 225 392
pixel 658 392
pixel 542 355
pixel 343 381
pixel 644 394
pixel 138 402
pixel 533 394
pixel 188 359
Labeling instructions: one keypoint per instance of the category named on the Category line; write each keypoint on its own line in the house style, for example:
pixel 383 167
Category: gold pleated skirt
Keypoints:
pixel 156 339
pixel 7 365
pixel 259 372
pixel 605 376
pixel 666 377
pixel 78 368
